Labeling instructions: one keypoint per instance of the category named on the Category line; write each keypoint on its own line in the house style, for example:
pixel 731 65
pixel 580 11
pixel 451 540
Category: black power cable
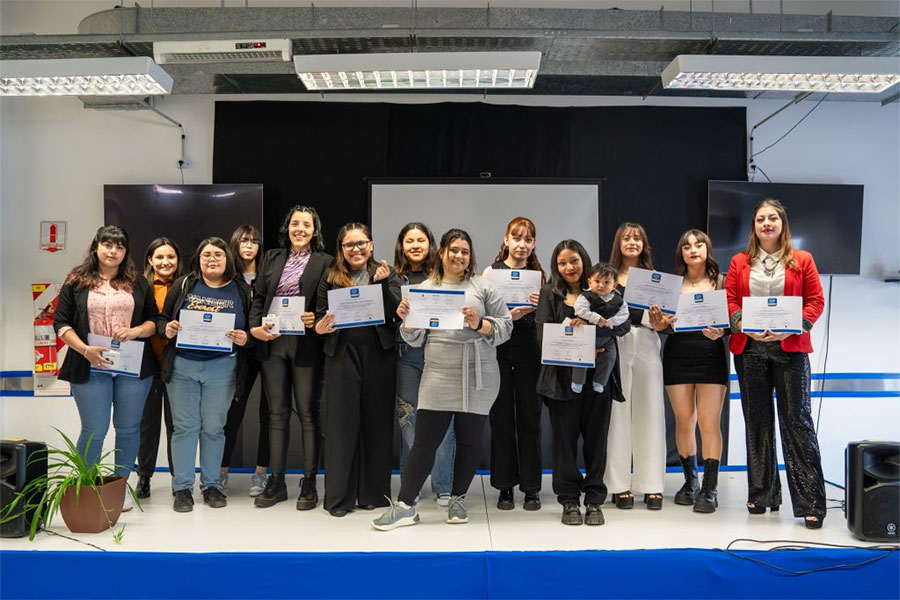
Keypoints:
pixel 804 545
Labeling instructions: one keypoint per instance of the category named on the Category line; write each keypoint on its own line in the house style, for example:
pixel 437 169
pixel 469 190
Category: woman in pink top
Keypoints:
pixel 104 296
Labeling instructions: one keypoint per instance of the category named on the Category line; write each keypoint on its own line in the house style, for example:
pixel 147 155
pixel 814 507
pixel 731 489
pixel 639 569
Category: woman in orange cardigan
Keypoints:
pixel 777 361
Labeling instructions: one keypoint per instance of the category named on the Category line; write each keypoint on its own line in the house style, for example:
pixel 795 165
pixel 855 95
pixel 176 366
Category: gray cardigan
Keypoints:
pixel 461 372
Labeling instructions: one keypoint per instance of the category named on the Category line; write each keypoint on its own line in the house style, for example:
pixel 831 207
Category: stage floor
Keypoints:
pixel 240 527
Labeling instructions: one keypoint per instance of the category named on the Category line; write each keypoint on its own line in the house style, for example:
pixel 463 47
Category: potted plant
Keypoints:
pixel 89 496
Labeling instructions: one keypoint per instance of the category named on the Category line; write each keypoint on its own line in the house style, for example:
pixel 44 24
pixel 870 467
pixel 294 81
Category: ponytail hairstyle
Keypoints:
pixel 522 226
pixel 339 274
pixel 149 273
pixel 437 273
pixel 87 274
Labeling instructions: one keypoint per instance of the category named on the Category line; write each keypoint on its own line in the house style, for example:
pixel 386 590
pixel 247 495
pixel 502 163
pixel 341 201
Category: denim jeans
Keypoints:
pixel 410 363
pixel 200 394
pixel 125 396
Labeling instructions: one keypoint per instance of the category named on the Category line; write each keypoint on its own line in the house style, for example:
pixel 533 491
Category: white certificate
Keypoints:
pixel 435 309
pixel 289 310
pixel 515 285
pixel 780 314
pixel 569 346
pixel 128 362
pixel 646 288
pixel 201 330
pixel 699 310
pixel 356 306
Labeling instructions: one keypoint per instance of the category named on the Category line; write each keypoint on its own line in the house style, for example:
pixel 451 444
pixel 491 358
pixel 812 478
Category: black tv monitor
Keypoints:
pixel 825 219
pixel 184 213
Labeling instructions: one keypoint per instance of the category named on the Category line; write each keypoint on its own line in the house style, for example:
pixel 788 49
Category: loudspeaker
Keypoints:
pixel 21 461
pixel 872 495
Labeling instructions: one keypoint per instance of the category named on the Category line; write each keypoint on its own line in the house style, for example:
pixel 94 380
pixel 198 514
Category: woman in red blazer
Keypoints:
pixel 777 361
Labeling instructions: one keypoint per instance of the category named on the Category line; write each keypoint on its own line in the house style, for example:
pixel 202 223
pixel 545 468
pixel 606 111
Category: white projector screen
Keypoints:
pixel 559 211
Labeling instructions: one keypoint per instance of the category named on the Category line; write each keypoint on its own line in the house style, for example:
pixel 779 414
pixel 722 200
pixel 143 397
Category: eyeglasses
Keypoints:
pixel 355 245
pixel 208 256
pixel 248 241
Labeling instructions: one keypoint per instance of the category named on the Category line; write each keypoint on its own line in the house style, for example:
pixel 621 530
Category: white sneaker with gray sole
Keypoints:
pixel 456 513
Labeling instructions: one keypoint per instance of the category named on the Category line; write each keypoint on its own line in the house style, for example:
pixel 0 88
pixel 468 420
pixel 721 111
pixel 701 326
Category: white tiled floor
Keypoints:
pixel 240 527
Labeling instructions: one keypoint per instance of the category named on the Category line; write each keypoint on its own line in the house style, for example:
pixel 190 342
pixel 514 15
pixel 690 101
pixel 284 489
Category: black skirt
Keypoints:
pixel 692 357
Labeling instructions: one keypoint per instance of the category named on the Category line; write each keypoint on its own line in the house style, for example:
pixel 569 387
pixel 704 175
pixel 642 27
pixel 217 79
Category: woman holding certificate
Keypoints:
pixel 636 457
pixel 765 362
pixel 573 414
pixel 290 356
pixel 206 315
pixel 460 381
pixel 353 300
pixel 695 371
pixel 516 415
pixel 414 257
pixel 103 304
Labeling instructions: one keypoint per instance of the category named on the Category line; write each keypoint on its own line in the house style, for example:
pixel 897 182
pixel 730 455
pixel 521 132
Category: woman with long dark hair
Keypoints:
pixel 360 377
pixel 779 362
pixel 162 266
pixel 573 414
pixel 105 296
pixel 291 364
pixel 414 256
pixel 516 415
pixel 460 381
pixel 201 382
pixel 246 247
pixel 696 375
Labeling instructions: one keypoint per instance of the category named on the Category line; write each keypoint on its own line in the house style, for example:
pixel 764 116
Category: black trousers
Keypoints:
pixel 359 420
pixel 587 416
pixel 157 403
pixel 762 368
pixel 516 415
pixel 431 427
pixel 236 416
pixel 285 382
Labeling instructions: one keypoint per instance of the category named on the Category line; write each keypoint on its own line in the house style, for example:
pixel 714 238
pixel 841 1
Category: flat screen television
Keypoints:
pixel 184 213
pixel 825 219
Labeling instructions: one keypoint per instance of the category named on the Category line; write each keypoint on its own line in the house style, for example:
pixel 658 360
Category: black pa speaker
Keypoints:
pixel 872 495
pixel 21 461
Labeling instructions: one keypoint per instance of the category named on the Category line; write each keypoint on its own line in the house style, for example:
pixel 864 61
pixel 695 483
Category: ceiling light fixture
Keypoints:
pixel 420 70
pixel 209 51
pixel 782 73
pixel 119 76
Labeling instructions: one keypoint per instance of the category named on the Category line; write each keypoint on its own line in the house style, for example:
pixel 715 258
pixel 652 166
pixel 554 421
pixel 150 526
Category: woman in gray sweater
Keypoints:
pixel 460 381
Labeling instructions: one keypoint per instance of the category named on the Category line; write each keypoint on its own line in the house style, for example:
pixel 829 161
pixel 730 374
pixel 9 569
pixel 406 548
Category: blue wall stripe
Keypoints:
pixel 18 393
pixel 818 376
pixel 846 394
pixel 10 374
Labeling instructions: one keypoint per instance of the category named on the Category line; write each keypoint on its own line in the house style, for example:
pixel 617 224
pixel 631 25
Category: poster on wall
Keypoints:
pixel 49 350
pixel 53 236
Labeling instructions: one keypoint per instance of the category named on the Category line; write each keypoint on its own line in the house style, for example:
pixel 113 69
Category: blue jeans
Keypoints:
pixel 200 394
pixel 123 395
pixel 410 363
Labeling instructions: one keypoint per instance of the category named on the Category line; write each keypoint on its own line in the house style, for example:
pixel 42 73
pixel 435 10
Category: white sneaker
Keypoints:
pixel 129 501
pixel 258 484
pixel 443 500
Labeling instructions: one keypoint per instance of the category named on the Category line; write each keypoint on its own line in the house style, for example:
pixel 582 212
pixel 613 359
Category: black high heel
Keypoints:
pixel 653 501
pixel 624 500
pixel 756 509
pixel 813 522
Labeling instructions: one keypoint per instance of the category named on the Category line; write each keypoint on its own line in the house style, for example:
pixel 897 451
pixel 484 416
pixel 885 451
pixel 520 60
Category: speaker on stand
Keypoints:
pixel 21 462
pixel 872 495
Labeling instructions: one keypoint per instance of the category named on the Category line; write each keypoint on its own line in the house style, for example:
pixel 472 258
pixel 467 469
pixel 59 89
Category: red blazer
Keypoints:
pixel 802 281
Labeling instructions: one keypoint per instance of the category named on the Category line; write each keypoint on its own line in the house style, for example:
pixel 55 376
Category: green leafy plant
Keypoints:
pixel 66 470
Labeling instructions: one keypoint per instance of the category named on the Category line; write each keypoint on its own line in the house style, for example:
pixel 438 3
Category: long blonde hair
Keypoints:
pixel 785 249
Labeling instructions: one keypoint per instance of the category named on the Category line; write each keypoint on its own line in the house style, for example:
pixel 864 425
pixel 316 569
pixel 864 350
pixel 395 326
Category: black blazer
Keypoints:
pixel 309 346
pixel 554 381
pixel 390 297
pixel 174 301
pixel 71 311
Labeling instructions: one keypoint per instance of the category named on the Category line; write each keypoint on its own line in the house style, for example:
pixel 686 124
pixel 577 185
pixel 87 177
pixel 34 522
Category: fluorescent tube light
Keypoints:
pixel 782 73
pixel 209 51
pixel 420 70
pixel 115 76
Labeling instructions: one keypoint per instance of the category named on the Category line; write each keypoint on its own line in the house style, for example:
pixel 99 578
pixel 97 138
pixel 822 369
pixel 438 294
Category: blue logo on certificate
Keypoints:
pixel 434 322
pixel 115 344
pixel 207 317
pixel 772 302
pixel 354 292
pixel 514 276
pixel 570 330
pixel 698 298
pixel 285 302
pixel 655 278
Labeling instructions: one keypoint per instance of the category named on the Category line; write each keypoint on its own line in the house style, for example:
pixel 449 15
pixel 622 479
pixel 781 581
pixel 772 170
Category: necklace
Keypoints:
pixel 769 263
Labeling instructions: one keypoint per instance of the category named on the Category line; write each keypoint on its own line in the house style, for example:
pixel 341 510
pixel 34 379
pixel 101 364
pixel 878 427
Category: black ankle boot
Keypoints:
pixel 309 497
pixel 276 491
pixel 707 500
pixel 688 492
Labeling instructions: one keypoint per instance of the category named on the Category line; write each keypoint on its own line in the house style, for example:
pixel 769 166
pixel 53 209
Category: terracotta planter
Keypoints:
pixel 85 515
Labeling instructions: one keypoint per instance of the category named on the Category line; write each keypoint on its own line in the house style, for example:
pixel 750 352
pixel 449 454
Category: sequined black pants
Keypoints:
pixel 762 368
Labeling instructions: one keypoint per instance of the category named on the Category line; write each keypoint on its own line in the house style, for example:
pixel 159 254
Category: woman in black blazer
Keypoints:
pixel 360 381
pixel 105 296
pixel 291 364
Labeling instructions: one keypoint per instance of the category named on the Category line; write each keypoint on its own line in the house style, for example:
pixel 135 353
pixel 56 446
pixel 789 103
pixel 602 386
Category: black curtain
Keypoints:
pixel 655 160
